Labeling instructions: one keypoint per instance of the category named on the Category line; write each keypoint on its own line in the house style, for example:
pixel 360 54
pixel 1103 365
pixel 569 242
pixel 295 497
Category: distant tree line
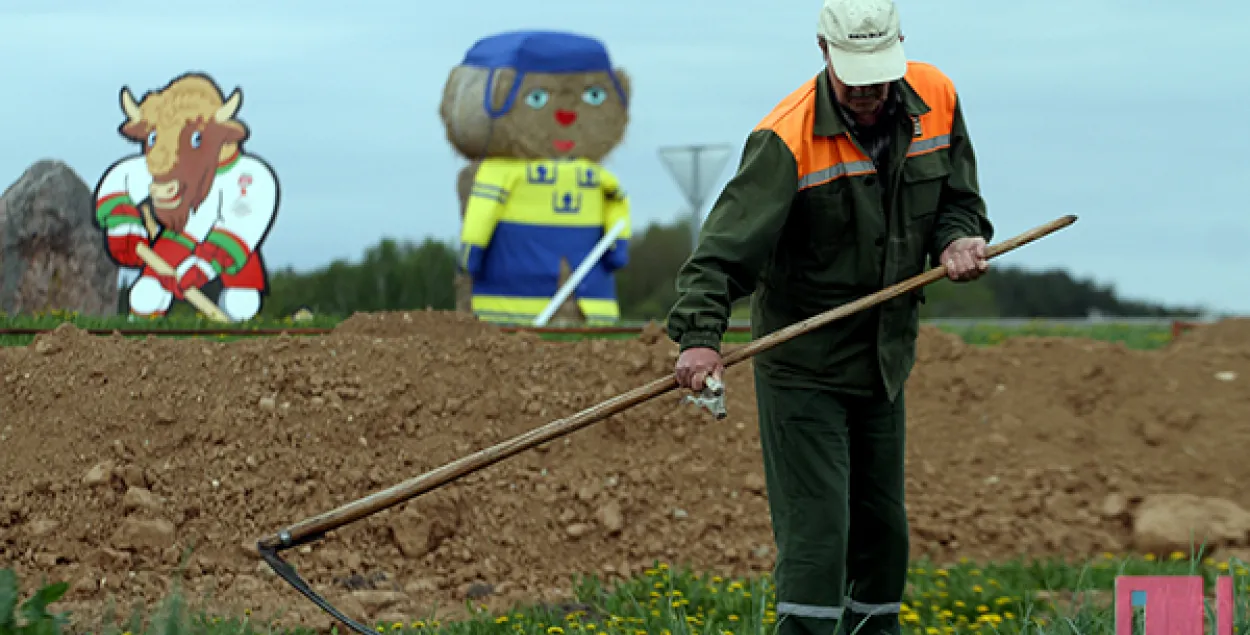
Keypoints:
pixel 395 275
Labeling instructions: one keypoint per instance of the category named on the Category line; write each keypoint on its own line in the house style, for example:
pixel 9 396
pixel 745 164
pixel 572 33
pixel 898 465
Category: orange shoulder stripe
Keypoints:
pixel 824 159
pixel 933 129
pixel 819 159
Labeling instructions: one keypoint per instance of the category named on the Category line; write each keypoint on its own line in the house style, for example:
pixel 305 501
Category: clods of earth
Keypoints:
pixel 132 465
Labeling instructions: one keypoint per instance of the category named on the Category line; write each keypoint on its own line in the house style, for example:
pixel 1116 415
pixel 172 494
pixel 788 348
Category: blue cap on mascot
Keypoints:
pixel 550 52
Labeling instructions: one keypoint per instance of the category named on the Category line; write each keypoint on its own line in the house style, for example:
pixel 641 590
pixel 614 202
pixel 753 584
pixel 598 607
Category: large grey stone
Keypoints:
pixel 52 254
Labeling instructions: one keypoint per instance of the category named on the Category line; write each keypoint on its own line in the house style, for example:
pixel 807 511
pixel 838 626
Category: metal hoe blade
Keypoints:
pixel 292 577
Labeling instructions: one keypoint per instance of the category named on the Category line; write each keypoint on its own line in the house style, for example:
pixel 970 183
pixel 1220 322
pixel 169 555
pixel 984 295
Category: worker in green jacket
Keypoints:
pixel 854 182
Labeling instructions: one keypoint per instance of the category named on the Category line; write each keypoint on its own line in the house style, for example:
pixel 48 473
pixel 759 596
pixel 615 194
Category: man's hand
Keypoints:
pixel 695 365
pixel 965 259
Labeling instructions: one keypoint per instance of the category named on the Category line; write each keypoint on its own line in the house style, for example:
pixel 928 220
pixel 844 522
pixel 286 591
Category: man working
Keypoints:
pixel 849 185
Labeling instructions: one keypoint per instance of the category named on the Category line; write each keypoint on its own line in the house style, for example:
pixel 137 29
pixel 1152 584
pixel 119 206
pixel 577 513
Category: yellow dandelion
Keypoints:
pixel 1176 555
pixel 555 630
pixel 502 619
pixel 396 626
pixel 1150 557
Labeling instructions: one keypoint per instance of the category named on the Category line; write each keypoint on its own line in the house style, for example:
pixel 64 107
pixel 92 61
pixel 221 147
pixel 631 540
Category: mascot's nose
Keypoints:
pixel 565 117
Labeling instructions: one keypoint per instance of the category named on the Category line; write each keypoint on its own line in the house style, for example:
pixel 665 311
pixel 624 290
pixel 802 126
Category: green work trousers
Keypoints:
pixel 833 464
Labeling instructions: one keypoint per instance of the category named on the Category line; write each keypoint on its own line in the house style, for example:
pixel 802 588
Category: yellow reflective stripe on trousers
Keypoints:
pixel 809 610
pixel 925 146
pixel 864 608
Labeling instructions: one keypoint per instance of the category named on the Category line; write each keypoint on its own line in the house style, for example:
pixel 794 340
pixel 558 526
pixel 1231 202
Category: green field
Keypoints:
pixel 1133 336
pixel 1042 597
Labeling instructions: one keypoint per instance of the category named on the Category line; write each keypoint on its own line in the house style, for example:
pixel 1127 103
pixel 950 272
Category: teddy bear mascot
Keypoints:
pixel 535 113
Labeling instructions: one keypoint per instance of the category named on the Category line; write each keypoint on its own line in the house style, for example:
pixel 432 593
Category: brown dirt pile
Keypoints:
pixel 117 455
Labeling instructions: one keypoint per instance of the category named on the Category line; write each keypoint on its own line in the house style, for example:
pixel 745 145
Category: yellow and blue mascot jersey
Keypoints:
pixel 523 217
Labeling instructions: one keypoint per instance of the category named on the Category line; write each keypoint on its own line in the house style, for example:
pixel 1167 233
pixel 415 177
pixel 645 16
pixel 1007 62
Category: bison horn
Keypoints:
pixel 230 108
pixel 129 106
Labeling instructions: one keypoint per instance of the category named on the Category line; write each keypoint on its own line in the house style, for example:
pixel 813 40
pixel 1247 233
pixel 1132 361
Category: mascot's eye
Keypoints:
pixel 594 96
pixel 537 98
pixel 196 139
pixel 152 139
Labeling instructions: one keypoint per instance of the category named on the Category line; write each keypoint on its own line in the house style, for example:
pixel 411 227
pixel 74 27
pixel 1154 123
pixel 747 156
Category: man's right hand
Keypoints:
pixel 695 365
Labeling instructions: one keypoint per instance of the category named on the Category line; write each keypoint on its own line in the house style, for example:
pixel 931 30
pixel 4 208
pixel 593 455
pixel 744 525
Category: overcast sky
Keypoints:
pixel 1132 115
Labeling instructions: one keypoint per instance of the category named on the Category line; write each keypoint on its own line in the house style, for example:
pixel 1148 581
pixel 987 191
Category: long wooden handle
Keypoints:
pixel 315 526
pixel 194 296
pixel 906 286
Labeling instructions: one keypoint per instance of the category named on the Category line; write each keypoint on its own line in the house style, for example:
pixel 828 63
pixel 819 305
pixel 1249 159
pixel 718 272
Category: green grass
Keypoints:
pixel 1139 337
pixel 1048 597
pixel 54 319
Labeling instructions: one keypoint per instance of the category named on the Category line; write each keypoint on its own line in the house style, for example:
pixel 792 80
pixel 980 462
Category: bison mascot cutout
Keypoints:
pixel 193 206
pixel 534 113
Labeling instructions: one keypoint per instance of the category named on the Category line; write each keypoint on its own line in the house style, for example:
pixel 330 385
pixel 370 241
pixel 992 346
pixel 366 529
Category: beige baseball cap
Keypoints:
pixel 863 38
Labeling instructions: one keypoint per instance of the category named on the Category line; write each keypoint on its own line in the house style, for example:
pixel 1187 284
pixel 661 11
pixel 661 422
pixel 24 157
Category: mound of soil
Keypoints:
pixel 121 456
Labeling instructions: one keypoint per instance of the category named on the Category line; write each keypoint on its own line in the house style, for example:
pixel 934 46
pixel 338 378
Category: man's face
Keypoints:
pixel 865 101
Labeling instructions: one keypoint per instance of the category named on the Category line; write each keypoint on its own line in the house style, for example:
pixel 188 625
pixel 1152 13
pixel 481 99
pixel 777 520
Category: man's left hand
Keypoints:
pixel 965 259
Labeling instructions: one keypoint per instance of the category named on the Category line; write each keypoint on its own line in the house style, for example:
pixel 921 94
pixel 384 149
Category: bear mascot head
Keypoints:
pixel 534 113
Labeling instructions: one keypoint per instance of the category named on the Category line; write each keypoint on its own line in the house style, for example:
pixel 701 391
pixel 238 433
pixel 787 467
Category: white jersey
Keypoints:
pixel 242 202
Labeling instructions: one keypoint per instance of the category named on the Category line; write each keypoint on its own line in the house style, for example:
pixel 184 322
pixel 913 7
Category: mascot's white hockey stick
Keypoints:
pixel 581 271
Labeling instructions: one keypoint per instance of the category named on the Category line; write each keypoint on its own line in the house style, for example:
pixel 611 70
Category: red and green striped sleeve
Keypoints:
pixel 235 249
pixel 116 209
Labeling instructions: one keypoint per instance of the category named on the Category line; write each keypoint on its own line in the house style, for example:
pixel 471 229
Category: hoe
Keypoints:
pixel 712 398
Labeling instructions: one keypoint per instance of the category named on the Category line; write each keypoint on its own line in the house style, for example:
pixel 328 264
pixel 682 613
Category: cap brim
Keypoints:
pixel 862 69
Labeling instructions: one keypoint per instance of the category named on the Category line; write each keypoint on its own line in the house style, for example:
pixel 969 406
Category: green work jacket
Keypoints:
pixel 809 223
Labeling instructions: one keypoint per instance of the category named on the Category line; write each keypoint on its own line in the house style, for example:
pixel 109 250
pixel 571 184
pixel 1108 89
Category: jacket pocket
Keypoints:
pixel 829 215
pixel 923 179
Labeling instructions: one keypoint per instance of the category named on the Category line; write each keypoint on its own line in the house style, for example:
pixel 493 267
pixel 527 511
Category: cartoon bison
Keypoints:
pixel 201 203
pixel 534 113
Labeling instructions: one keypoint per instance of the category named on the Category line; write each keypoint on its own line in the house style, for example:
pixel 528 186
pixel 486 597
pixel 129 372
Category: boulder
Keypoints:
pixel 1166 523
pixel 52 254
